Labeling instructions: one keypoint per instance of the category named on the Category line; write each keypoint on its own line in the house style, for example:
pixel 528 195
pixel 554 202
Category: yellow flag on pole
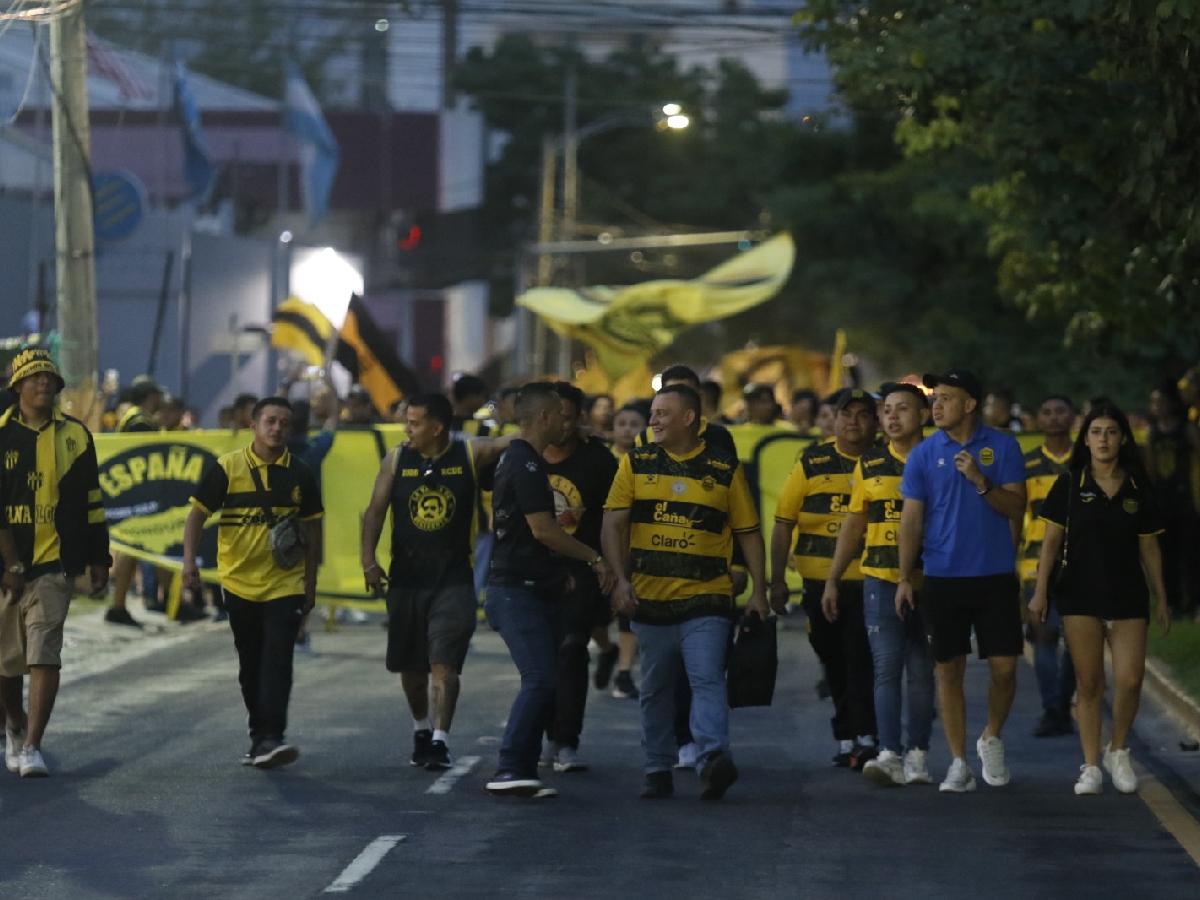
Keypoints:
pixel 625 326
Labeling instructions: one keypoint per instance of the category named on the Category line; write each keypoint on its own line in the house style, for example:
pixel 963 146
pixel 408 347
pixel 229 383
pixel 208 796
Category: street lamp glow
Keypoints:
pixel 678 121
pixel 672 109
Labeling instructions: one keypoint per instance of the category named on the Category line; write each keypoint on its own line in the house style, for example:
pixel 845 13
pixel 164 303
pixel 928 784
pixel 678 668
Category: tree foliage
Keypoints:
pixel 1080 120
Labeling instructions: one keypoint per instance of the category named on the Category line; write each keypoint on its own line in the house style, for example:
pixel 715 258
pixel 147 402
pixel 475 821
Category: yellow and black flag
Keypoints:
pixel 303 329
pixel 362 348
pixel 626 326
pixel 371 358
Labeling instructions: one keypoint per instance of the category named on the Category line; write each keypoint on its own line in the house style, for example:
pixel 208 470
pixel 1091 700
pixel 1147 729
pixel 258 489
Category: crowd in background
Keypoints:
pixel 1168 430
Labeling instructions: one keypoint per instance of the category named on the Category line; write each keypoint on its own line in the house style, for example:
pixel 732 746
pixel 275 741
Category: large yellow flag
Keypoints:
pixel 627 325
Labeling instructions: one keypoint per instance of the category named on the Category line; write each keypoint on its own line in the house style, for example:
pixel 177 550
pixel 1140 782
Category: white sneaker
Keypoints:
pixel 13 741
pixel 1119 765
pixel 959 779
pixel 567 760
pixel 689 754
pixel 916 767
pixel 991 754
pixel 887 769
pixel 1091 781
pixel 32 764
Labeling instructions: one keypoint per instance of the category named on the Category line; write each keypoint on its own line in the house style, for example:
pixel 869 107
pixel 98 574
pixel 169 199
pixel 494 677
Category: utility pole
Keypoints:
pixel 449 50
pixel 74 241
pixel 545 262
pixel 570 184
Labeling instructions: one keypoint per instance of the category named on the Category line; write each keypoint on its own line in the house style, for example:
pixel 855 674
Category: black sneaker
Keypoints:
pixel 717 775
pixel 658 786
pixel 1053 724
pixel 605 663
pixel 624 688
pixel 190 612
pixel 119 616
pixel 437 757
pixel 842 759
pixel 422 744
pixel 272 754
pixel 248 759
pixel 861 755
pixel 506 784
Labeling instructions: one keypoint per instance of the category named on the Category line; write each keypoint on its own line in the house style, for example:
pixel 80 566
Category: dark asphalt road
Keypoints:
pixel 147 799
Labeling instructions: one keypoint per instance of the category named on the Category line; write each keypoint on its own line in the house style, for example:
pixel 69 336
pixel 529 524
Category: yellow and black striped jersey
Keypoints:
pixel 245 564
pixel 1042 469
pixel 683 513
pixel 50 494
pixel 876 492
pixel 815 499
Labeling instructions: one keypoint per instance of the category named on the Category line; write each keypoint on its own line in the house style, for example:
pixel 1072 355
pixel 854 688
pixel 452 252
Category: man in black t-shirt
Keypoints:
pixel 581 470
pixel 525 585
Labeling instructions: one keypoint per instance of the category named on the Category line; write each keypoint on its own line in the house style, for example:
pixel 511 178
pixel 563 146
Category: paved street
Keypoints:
pixel 147 799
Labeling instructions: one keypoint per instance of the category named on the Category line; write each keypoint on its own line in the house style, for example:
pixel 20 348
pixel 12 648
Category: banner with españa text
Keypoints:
pixel 147 478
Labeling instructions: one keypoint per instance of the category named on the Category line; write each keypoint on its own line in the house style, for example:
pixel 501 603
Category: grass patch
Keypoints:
pixel 1180 652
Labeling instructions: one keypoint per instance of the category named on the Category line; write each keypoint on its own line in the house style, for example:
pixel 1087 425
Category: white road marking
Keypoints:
pixel 462 766
pixel 488 740
pixel 364 863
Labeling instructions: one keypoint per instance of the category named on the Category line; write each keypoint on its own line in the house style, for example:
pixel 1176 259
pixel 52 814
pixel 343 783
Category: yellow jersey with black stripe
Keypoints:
pixel 1042 469
pixel 814 501
pixel 50 490
pixel 876 492
pixel 245 564
pixel 684 511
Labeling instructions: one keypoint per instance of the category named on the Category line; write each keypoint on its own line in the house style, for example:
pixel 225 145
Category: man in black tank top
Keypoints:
pixel 430 486
pixel 580 470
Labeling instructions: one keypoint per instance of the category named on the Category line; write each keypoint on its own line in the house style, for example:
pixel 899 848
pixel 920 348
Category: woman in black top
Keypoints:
pixel 1100 550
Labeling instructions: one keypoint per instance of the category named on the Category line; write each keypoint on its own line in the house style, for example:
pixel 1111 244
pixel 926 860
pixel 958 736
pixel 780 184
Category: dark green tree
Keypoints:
pixel 1082 119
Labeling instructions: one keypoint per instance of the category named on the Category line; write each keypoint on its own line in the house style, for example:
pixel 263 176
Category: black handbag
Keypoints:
pixel 286 537
pixel 753 662
pixel 1059 577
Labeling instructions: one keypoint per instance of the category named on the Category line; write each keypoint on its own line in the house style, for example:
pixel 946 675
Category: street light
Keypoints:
pixel 678 122
pixel 671 109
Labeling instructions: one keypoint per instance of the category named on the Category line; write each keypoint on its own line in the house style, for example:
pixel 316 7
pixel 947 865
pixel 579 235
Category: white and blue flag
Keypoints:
pixel 318 149
pixel 198 169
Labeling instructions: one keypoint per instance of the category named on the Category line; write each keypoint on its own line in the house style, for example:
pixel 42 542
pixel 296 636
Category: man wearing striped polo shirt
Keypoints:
pixel 813 506
pixel 669 524
pixel 1043 465
pixel 897 636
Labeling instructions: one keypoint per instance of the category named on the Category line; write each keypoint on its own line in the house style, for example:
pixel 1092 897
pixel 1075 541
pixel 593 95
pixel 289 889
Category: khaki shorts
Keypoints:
pixel 31 628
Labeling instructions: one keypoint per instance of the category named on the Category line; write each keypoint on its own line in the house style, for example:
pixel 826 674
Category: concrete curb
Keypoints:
pixel 1166 693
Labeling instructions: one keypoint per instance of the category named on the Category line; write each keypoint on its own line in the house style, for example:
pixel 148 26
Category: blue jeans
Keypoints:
pixel 528 624
pixel 898 645
pixel 701 643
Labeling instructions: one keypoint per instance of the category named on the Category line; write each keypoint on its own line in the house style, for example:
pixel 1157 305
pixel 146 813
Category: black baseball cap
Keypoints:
pixel 959 378
pixel 891 387
pixel 846 396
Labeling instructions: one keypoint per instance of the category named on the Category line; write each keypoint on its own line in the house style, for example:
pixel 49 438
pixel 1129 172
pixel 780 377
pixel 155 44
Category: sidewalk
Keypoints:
pixel 92 646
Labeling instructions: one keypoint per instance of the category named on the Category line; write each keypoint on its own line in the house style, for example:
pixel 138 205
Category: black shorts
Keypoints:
pixel 429 625
pixel 989 604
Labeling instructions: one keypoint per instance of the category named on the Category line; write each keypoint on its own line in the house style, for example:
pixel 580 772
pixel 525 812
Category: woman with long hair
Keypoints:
pixel 1099 555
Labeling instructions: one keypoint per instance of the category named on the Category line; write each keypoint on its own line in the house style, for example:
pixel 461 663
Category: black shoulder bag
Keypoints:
pixel 286 537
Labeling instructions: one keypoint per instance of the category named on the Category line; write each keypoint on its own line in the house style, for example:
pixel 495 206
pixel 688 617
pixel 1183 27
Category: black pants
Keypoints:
pixel 844 651
pixel 265 636
pixel 576 618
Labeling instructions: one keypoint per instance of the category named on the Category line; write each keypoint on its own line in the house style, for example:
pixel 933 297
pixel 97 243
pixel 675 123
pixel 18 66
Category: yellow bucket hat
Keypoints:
pixel 30 361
